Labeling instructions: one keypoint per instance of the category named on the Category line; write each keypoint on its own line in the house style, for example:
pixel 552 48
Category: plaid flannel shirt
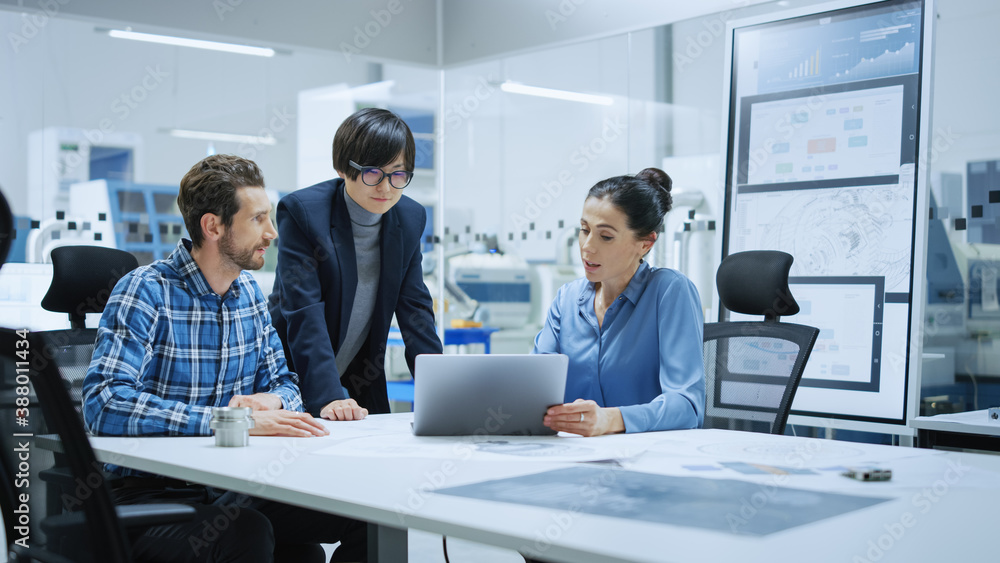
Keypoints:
pixel 169 349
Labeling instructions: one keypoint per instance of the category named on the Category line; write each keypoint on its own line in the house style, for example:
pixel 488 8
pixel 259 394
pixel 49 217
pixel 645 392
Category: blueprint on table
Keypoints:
pixel 723 505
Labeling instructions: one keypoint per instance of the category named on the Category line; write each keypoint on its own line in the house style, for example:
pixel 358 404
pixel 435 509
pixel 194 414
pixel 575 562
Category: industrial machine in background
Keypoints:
pixel 59 157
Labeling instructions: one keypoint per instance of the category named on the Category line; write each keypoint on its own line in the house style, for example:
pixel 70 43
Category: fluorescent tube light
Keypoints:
pixel 225 137
pixel 196 43
pixel 517 88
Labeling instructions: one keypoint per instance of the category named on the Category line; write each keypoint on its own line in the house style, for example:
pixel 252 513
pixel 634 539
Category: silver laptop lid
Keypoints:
pixel 486 394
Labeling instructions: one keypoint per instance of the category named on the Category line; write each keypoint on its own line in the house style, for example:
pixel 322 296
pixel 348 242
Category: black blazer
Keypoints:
pixel 314 288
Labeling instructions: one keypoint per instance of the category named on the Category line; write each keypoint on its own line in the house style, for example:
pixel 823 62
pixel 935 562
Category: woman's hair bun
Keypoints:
pixel 658 178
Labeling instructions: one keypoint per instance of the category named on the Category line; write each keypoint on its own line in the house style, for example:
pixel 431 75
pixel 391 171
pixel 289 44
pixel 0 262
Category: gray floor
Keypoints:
pixel 424 547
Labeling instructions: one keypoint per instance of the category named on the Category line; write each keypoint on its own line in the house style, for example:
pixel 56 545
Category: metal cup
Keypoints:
pixel 232 426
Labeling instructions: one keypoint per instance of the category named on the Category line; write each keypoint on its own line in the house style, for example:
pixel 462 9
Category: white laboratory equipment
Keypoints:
pixel 61 156
pixel 500 283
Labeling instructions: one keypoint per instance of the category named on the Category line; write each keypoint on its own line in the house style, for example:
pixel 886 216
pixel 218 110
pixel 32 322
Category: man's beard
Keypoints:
pixel 244 259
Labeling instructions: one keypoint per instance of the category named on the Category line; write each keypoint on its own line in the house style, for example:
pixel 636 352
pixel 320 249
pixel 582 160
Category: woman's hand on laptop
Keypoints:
pixel 584 418
pixel 346 409
pixel 286 423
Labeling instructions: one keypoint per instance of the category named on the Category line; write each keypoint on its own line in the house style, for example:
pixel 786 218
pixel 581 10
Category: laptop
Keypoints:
pixel 486 394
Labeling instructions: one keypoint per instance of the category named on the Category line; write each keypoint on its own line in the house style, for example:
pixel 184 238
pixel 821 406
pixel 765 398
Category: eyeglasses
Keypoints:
pixel 372 175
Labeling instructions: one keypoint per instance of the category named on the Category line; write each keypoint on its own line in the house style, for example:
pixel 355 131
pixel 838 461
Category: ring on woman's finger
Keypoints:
pixel 581 417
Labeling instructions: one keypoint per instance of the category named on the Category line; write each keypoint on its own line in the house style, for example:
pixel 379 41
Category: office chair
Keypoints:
pixel 95 532
pixel 8 494
pixel 752 369
pixel 82 280
pixel 6 228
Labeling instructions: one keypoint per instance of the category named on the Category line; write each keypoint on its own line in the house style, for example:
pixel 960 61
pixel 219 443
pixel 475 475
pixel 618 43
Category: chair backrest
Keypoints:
pixel 753 369
pixel 72 350
pixel 82 279
pixel 6 229
pixel 102 533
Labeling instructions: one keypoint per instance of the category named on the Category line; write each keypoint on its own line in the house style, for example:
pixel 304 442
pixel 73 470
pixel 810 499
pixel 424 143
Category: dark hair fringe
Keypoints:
pixel 644 198
pixel 372 137
pixel 210 187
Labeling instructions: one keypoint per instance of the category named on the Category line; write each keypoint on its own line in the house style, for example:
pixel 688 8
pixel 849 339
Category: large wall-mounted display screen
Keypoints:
pixel 822 157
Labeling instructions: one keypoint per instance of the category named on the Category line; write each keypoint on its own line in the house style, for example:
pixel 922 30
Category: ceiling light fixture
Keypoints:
pixel 187 42
pixel 518 88
pixel 225 137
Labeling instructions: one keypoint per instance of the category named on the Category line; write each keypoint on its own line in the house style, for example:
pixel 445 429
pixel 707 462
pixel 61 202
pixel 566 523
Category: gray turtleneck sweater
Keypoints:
pixel 366 227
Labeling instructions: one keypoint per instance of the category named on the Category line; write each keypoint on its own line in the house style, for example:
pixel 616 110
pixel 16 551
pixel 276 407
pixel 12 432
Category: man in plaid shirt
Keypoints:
pixel 192 332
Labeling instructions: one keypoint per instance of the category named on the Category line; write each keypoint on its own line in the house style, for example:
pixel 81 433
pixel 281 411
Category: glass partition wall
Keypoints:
pixel 518 162
pixel 525 138
pixel 508 148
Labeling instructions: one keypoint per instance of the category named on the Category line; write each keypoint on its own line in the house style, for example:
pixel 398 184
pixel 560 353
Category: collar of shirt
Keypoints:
pixel 632 291
pixel 190 276
pixel 359 215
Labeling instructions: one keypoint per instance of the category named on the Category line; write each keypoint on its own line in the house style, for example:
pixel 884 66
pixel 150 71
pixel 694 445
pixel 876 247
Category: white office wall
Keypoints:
pixel 401 30
pixel 477 31
pixel 516 164
pixel 69 76
pixel 967 78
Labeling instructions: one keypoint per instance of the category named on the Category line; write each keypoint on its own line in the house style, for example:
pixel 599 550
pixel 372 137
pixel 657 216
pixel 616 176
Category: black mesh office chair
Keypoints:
pixel 94 531
pixel 82 280
pixel 752 369
pixel 8 493
pixel 6 228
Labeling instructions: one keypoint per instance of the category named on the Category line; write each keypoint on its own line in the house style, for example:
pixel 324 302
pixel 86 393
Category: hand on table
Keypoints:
pixel 257 401
pixel 346 409
pixel 286 423
pixel 584 418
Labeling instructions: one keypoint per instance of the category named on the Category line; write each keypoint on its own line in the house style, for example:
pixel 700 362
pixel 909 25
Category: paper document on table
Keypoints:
pixel 711 504
pixel 483 448
pixel 968 417
pixel 375 423
pixel 775 450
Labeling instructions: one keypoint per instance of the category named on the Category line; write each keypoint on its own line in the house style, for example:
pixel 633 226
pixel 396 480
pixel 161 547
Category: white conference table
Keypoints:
pixel 374 470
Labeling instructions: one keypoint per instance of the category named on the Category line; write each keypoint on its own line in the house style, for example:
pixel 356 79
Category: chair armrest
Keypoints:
pixel 142 515
pixel 20 554
pixel 130 516
pixel 57 476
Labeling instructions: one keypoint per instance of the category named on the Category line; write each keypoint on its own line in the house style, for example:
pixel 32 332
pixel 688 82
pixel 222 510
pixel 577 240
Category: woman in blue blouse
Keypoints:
pixel 633 333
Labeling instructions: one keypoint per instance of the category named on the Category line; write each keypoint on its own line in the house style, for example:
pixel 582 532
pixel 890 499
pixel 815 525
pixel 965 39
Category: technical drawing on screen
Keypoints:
pixel 823 162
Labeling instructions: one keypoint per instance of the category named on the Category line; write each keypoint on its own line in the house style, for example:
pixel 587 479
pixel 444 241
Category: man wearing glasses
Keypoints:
pixel 349 258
